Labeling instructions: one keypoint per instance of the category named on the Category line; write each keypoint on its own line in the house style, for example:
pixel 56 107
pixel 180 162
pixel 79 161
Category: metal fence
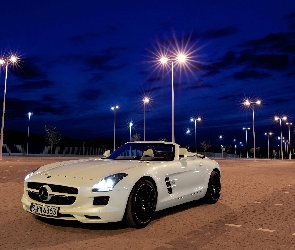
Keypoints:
pixel 12 149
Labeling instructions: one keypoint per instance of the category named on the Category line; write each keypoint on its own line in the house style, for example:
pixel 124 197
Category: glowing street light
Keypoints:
pixel 251 105
pixel 130 127
pixel 181 59
pixel 280 118
pixel 235 141
pixel 145 100
pixel 268 135
pixel 5 62
pixel 289 124
pixel 246 129
pixel 195 119
pixel 29 114
pixel 188 131
pixel 115 111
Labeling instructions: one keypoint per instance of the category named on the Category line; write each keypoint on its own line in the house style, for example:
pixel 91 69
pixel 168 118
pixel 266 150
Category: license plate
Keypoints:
pixel 44 210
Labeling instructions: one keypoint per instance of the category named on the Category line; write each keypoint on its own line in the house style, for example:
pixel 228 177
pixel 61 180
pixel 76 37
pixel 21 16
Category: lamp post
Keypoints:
pixel 130 127
pixel 268 135
pixel 280 118
pixel 221 146
pixel 115 111
pixel 289 124
pixel 246 129
pixel 235 145
pixel 180 58
pixel 29 116
pixel 251 105
pixel 5 62
pixel 145 100
pixel 195 119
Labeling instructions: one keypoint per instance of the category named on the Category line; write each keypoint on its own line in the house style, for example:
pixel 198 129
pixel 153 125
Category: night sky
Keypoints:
pixel 80 58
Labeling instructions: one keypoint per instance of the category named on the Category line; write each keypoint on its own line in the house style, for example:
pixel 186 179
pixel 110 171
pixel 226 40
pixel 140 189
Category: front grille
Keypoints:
pixel 54 188
pixel 67 195
pixel 55 199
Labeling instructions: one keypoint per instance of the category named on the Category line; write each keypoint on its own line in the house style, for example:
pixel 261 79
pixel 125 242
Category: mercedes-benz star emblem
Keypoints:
pixel 44 193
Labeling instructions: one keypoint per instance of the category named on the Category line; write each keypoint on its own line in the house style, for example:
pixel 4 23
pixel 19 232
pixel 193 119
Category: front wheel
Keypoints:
pixel 214 188
pixel 141 204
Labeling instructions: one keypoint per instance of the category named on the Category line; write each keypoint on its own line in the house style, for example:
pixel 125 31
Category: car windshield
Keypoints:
pixel 144 152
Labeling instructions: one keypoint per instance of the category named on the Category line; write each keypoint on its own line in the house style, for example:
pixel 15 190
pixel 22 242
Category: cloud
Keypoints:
pixel 17 108
pixel 250 74
pixel 91 36
pixel 154 89
pixel 266 61
pixel 96 61
pixel 276 43
pixel 33 85
pixel 280 100
pixel 228 97
pixel 82 38
pixel 96 77
pixel 217 33
pixel 291 20
pixel 104 61
pixel 154 79
pixel 28 70
pixel 48 98
pixel 109 68
pixel 211 72
pixel 200 86
pixel 90 94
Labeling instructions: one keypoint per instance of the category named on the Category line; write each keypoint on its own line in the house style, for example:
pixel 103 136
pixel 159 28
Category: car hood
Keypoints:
pixel 90 169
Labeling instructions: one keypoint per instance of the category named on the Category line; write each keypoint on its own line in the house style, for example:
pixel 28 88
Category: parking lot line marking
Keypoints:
pixel 233 225
pixel 257 202
pixel 265 230
pixel 286 192
pixel 278 204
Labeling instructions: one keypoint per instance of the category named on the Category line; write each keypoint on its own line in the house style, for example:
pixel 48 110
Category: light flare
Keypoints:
pixel 183 52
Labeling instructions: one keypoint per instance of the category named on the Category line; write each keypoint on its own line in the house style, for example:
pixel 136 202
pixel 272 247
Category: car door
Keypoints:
pixel 183 179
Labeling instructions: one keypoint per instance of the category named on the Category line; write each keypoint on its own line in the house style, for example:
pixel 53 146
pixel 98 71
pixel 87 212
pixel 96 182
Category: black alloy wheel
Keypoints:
pixel 141 204
pixel 214 188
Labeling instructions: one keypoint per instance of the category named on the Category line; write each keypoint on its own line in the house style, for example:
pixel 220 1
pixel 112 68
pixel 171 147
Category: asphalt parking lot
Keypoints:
pixel 256 211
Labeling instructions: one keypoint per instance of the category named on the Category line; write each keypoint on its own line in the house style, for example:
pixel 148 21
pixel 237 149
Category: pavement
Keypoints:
pixel 256 211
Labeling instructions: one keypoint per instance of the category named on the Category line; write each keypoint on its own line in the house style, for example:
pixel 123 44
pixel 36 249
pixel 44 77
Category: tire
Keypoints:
pixel 141 204
pixel 214 188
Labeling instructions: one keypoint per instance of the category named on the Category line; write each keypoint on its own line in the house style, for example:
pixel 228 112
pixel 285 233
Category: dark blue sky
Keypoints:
pixel 80 58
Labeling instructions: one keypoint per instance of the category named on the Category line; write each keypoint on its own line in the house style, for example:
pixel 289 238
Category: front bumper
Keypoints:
pixel 83 209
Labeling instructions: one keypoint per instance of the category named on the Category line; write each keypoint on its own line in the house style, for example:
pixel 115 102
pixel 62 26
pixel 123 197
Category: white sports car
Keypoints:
pixel 131 184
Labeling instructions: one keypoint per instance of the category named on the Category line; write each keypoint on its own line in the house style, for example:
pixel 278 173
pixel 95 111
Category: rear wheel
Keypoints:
pixel 141 204
pixel 214 188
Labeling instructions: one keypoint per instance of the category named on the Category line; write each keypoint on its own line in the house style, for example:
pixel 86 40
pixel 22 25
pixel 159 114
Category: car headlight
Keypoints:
pixel 108 183
pixel 31 174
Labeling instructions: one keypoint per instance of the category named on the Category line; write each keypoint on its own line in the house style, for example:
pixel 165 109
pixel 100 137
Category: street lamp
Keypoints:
pixel 115 111
pixel 145 100
pixel 29 116
pixel 5 62
pixel 180 58
pixel 278 118
pixel 130 126
pixel 289 124
pixel 235 141
pixel 246 129
pixel 251 105
pixel 268 135
pixel 195 119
